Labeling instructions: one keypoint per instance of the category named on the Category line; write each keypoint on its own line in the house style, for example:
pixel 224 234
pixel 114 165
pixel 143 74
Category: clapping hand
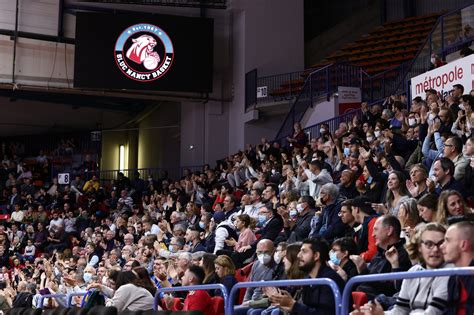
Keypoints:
pixel 392 256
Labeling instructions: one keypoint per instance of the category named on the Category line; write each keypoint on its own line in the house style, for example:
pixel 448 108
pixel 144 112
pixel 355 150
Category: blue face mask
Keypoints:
pixel 262 219
pixel 87 277
pixel 202 225
pixel 347 151
pixel 171 248
pixel 333 258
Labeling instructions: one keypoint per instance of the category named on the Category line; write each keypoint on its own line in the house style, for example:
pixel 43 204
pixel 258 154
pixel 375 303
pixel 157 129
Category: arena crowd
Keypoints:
pixel 391 190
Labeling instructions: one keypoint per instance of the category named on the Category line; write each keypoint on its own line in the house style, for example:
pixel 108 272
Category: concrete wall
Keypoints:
pixel 272 43
pixel 322 111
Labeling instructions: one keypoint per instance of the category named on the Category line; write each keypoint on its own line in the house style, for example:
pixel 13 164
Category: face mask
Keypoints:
pixel 202 225
pixel 262 219
pixel 377 133
pixel 370 139
pixel 264 258
pixel 171 248
pixel 347 151
pixel 57 273
pixel 333 258
pixel 322 130
pixel 299 208
pixel 433 60
pixel 431 116
pixel 87 277
pixel 293 213
pixel 461 107
pixel 277 258
pixel 411 122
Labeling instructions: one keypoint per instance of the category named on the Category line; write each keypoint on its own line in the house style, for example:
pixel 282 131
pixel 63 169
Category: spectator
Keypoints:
pixel 130 294
pixel 450 205
pixel 341 250
pixel 225 271
pixel 387 231
pixel 443 177
pixel 262 270
pixel 299 229
pixel 315 300
pixel 458 248
pixel 329 226
pixel 366 217
pixel 198 300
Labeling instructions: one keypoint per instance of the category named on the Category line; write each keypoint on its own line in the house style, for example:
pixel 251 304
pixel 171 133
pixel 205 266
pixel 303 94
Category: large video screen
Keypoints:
pixel 143 52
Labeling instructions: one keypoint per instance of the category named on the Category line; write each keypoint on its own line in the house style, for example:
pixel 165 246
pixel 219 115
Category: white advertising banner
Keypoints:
pixel 443 78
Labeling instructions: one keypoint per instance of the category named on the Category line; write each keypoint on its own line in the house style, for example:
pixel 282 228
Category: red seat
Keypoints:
pixel 243 275
pixel 359 298
pixel 218 305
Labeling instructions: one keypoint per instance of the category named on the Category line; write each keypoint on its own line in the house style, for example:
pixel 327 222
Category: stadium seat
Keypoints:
pixel 242 275
pixel 359 298
pixel 218 304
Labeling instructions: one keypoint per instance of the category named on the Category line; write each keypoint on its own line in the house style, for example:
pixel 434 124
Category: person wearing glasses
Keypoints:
pixel 424 295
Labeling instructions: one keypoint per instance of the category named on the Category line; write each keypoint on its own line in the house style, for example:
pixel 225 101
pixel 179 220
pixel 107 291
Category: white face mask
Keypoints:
pixel 264 259
pixel 377 133
pixel 370 139
pixel 299 208
pixel 461 107
pixel 411 122
pixel 433 60
pixel 322 130
pixel 431 116
pixel 276 257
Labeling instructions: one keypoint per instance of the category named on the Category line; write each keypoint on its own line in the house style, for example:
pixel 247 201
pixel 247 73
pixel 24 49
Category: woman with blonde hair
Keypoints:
pixel 225 270
pixel 450 204
pixel 408 216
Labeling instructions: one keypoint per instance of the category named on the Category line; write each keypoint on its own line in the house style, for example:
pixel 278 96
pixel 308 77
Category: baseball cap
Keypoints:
pixel 218 216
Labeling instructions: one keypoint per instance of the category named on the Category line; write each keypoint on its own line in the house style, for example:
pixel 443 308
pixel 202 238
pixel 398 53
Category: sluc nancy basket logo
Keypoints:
pixel 144 52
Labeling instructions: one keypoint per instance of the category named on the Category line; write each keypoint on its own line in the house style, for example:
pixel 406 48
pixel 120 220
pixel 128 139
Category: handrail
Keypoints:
pixel 192 288
pixel 48 296
pixel 71 295
pixel 285 283
pixel 469 271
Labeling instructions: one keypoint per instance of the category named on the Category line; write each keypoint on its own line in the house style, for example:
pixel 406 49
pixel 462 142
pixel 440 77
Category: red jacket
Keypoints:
pixel 198 300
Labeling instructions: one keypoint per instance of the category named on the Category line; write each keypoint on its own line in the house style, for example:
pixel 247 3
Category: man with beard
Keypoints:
pixel 313 255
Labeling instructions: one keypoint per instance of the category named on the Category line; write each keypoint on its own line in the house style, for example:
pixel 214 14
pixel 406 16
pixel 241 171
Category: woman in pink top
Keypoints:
pixel 246 236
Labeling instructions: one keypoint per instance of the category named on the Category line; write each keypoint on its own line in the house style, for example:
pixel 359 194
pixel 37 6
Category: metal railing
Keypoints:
pixel 71 295
pixel 285 283
pixel 469 271
pixel 192 288
pixel 279 87
pixel 320 83
pixel 449 34
pixel 48 296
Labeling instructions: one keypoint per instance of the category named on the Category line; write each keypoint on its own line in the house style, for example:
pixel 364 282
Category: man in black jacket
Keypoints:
pixel 387 230
pixel 313 255
pixel 299 229
pixel 270 229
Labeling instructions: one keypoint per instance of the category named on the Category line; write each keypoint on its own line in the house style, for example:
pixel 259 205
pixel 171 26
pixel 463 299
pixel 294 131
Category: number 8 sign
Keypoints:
pixel 63 178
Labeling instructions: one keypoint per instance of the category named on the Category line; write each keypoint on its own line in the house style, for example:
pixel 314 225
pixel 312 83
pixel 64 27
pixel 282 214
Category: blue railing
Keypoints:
pixel 192 288
pixel 48 296
pixel 71 295
pixel 320 83
pixel 442 39
pixel 399 276
pixel 285 283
